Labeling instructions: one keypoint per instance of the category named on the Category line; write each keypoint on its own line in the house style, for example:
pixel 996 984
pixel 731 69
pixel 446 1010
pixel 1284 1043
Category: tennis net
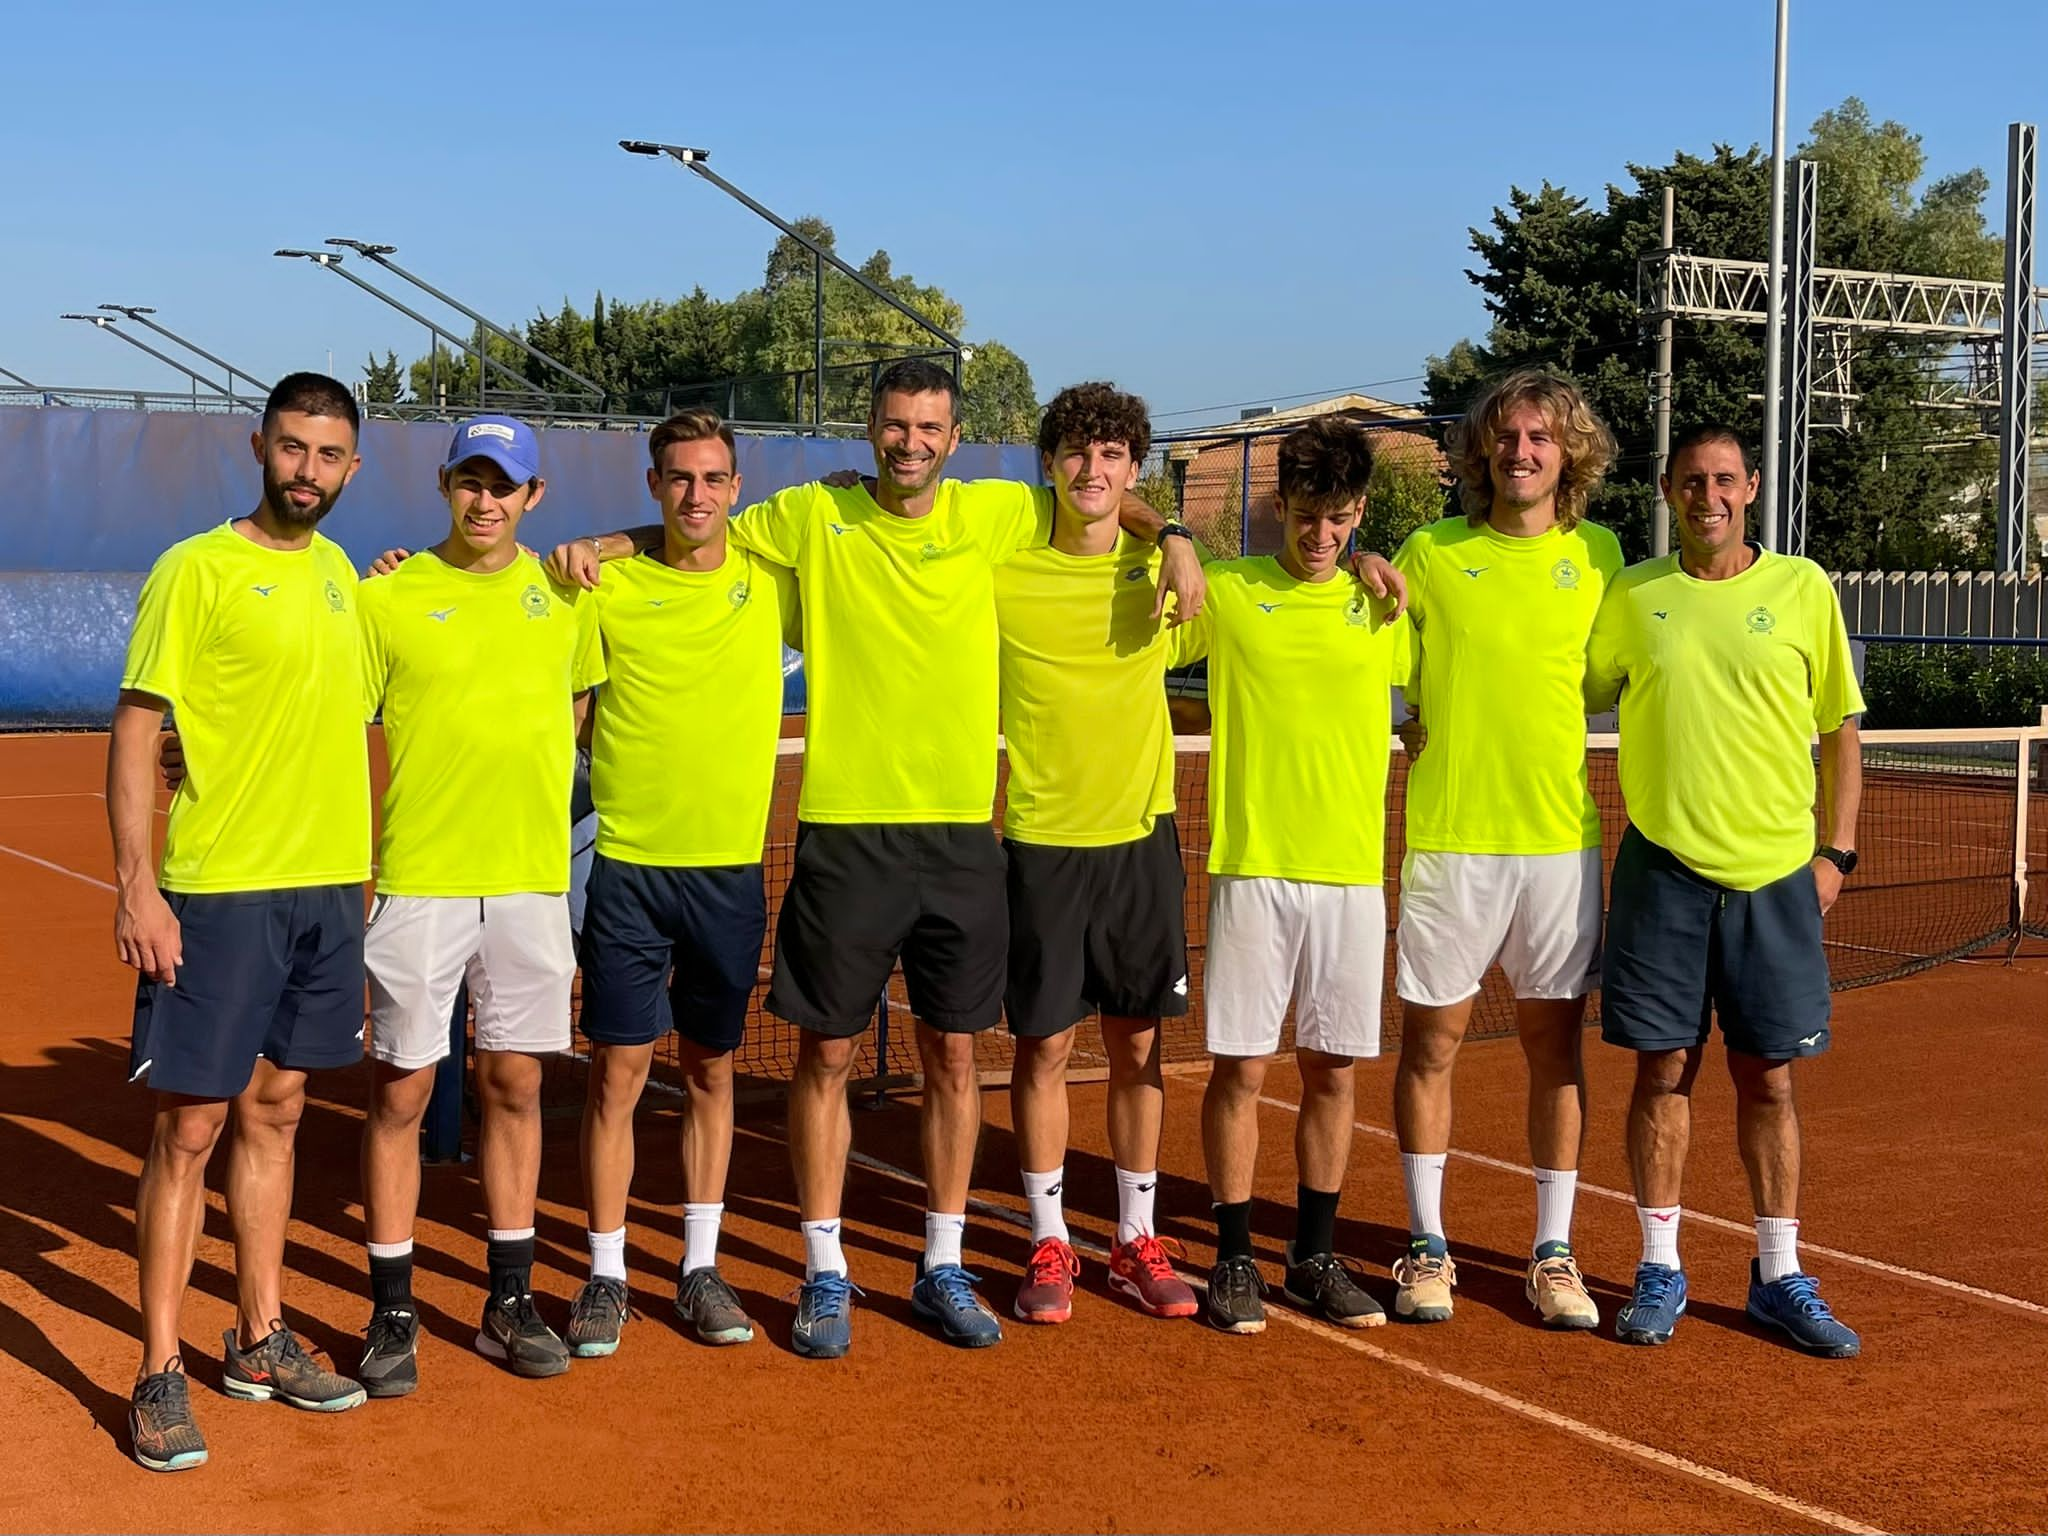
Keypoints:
pixel 1953 839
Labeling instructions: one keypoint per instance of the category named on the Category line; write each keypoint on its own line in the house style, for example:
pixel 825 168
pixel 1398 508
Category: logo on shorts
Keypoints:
pixel 1761 621
pixel 1565 575
pixel 1180 988
pixel 738 595
pixel 930 552
pixel 535 602
pixel 335 600
pixel 1812 1040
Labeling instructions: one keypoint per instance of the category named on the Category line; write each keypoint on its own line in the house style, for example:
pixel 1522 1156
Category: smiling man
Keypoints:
pixel 1503 835
pixel 1727 659
pixel 482 666
pixel 249 935
pixel 1301 663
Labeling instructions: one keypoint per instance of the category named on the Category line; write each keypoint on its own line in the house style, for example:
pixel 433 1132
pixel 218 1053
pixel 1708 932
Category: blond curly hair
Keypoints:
pixel 1585 444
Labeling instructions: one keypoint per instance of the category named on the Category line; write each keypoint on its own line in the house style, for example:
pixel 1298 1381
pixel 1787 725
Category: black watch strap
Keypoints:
pixel 1174 530
pixel 1843 859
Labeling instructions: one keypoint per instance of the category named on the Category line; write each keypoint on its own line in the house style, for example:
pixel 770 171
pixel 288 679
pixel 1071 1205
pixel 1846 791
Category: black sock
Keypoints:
pixel 1233 1229
pixel 391 1283
pixel 1315 1221
pixel 511 1265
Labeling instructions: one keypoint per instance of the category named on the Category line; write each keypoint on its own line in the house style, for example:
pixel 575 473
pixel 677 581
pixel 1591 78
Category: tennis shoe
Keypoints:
pixel 1424 1277
pixel 1047 1294
pixel 1557 1290
pixel 945 1296
pixel 1237 1296
pixel 1653 1311
pixel 597 1317
pixel 1324 1286
pixel 1793 1305
pixel 391 1362
pixel 1142 1269
pixel 161 1430
pixel 512 1332
pixel 824 1316
pixel 279 1367
pixel 711 1308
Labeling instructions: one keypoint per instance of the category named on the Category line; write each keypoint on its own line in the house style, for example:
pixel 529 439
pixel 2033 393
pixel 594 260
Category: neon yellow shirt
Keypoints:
pixel 1500 637
pixel 1083 696
pixel 1722 686
pixel 257 652
pixel 1300 680
pixel 477 675
pixel 899 623
pixel 682 761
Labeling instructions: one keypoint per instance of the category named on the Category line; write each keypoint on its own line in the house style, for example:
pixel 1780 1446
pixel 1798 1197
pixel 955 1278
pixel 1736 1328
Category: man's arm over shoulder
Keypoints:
pixel 1607 650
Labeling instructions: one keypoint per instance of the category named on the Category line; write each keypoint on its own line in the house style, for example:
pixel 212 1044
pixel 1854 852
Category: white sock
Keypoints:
pixel 1042 1194
pixel 1660 1234
pixel 389 1250
pixel 1134 1192
pixel 942 1238
pixel 700 1236
pixel 608 1255
pixel 822 1253
pixel 511 1234
pixel 1555 1190
pixel 1777 1247
pixel 1423 1174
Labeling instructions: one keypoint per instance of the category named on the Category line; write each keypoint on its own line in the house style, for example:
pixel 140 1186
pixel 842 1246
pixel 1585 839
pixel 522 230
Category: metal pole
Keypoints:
pixel 140 315
pixel 1244 499
pixel 1660 407
pixel 818 340
pixel 1774 327
pixel 101 322
pixel 1798 412
pixel 2016 351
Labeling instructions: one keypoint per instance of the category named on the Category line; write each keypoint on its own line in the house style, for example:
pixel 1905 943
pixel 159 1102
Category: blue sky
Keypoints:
pixel 1207 205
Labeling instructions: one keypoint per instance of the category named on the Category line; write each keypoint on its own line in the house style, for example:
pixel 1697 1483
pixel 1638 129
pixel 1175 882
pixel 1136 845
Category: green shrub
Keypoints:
pixel 1911 687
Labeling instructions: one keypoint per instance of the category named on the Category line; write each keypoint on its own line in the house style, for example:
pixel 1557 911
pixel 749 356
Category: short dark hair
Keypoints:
pixel 1325 461
pixel 916 376
pixel 696 425
pixel 1095 413
pixel 1711 432
pixel 312 394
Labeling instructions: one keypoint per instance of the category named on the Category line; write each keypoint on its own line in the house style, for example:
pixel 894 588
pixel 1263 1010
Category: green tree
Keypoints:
pixel 1404 493
pixel 383 383
pixel 999 403
pixel 1559 279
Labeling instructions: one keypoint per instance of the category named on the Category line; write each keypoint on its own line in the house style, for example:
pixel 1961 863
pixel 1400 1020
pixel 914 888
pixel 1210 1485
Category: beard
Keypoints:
pixel 282 507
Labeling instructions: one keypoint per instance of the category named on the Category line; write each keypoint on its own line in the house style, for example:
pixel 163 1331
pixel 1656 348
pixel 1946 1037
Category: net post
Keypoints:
pixel 878 1096
pixel 441 1138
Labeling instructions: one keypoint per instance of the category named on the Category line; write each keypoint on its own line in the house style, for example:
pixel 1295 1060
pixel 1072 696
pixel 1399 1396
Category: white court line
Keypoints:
pixel 1746 1229
pixel 62 794
pixel 1545 1416
pixel 59 868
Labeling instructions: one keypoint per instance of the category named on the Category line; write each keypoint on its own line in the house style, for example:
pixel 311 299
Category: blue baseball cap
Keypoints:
pixel 508 443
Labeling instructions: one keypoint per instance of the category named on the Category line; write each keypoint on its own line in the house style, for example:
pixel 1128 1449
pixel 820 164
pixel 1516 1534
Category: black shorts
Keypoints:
pixel 276 974
pixel 1681 949
pixel 1096 930
pixel 671 948
pixel 860 896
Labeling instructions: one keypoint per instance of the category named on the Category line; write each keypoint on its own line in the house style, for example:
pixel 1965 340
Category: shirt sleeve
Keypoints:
pixel 788 603
pixel 1190 642
pixel 1836 695
pixel 374 645
pixel 1605 669
pixel 169 631
pixel 588 669
pixel 1412 561
pixel 1400 652
pixel 774 529
pixel 1005 516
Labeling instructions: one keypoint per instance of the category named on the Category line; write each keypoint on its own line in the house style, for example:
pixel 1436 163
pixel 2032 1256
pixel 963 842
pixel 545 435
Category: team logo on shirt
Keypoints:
pixel 930 552
pixel 1565 575
pixel 335 600
pixel 535 602
pixel 837 527
pixel 1761 621
pixel 264 591
pixel 1268 607
pixel 439 615
pixel 1474 570
pixel 1356 611
pixel 738 595
pixel 1135 573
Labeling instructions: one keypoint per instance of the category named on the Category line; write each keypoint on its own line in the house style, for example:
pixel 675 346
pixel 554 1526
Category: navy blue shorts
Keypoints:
pixel 863 895
pixel 671 948
pixel 1100 929
pixel 1681 950
pixel 276 974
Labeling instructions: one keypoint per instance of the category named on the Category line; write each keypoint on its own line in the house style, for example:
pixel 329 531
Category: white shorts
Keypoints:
pixel 1538 914
pixel 514 951
pixel 1325 946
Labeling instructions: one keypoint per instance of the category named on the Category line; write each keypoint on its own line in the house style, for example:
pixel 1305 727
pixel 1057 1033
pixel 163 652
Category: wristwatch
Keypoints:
pixel 1173 530
pixel 1843 859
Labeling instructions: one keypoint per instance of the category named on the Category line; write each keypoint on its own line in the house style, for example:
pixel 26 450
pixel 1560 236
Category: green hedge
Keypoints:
pixel 1912 687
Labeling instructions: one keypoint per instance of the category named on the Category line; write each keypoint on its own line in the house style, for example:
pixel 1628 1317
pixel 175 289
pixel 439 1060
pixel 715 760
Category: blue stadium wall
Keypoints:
pixel 88 499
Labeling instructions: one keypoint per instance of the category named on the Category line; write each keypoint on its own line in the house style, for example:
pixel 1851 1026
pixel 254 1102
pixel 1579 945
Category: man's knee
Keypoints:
pixel 1132 1046
pixel 1323 1073
pixel 1235 1081
pixel 948 1061
pixel 398 1099
pixel 273 1102
pixel 825 1060
pixel 1044 1059
pixel 1660 1074
pixel 707 1072
pixel 1760 1083
pixel 1430 1038
pixel 185 1134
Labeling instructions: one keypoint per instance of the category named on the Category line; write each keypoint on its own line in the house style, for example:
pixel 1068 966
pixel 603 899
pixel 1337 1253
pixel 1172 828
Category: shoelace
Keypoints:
pixel 1803 1291
pixel 1329 1270
pixel 956 1286
pixel 598 1298
pixel 827 1296
pixel 1151 1254
pixel 1413 1269
pixel 163 1393
pixel 1051 1262
pixel 388 1330
pixel 1241 1277
pixel 707 1280
pixel 1654 1286
pixel 1563 1272
pixel 520 1309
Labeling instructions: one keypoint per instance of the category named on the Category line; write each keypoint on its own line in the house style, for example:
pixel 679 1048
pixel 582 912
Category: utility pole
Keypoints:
pixel 1660 527
pixel 1774 325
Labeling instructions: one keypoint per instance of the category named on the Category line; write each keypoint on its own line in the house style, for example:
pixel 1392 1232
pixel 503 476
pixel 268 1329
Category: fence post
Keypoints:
pixel 1244 499
pixel 881 1097
pixel 441 1141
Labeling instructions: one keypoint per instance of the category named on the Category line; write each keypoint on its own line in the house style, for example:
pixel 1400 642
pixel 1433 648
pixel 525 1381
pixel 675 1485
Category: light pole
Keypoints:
pixel 105 323
pixel 331 261
pixel 693 160
pixel 1774 324
pixel 140 314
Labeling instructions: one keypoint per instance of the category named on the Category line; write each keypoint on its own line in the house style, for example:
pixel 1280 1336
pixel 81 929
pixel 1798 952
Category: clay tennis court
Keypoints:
pixel 1926 1217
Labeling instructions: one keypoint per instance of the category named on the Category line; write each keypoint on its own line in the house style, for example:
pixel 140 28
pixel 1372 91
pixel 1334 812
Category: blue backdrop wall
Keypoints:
pixel 88 499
